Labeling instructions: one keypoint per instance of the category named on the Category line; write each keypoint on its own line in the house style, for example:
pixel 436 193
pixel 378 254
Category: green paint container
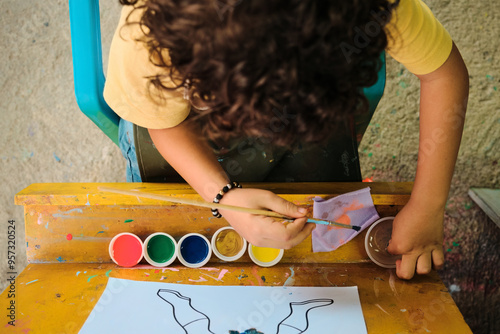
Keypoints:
pixel 160 249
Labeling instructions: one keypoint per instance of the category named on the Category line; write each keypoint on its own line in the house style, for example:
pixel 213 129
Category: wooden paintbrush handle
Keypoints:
pixel 218 206
pixel 195 202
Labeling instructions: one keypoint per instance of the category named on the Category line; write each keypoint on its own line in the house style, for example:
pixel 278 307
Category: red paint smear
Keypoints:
pixel 256 275
pixel 22 324
pixel 69 237
pixel 127 251
pixel 368 179
pixel 344 218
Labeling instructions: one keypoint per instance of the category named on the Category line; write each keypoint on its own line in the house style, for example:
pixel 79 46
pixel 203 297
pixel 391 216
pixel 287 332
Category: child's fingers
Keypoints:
pixel 285 230
pixel 286 235
pixel 405 268
pixel 296 237
pixel 438 258
pixel 280 205
pixel 424 263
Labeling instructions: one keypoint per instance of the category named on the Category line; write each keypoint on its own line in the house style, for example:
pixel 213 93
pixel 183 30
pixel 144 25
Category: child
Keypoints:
pixel 277 75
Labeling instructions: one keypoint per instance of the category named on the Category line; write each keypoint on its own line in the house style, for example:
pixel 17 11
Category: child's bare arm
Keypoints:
pixel 194 160
pixel 418 228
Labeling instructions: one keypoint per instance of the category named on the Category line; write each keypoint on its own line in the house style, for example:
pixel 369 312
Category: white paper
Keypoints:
pixel 152 307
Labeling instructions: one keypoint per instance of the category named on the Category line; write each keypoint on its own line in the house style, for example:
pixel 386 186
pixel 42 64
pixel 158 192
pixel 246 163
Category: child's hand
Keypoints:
pixel 417 234
pixel 266 231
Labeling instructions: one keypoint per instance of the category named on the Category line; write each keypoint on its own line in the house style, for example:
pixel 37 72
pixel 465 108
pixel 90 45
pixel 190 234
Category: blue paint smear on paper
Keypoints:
pixel 60 259
pixel 57 158
pixel 31 281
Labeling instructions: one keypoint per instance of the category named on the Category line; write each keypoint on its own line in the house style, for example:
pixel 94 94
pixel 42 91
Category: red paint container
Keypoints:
pixel 126 249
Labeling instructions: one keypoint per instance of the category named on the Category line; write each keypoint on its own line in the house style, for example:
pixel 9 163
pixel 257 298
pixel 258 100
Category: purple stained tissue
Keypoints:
pixel 354 208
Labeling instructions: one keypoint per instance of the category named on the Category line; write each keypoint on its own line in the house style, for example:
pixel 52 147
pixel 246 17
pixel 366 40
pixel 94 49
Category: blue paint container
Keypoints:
pixel 193 250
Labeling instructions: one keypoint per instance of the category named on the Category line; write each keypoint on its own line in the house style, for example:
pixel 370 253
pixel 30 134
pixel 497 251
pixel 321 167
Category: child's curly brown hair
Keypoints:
pixel 250 61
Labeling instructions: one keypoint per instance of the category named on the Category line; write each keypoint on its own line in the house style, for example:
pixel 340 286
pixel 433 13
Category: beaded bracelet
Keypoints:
pixel 218 197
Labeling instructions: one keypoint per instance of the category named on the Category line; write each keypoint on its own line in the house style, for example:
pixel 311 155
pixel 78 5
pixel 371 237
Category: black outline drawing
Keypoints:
pixel 319 300
pixel 177 294
pixel 203 316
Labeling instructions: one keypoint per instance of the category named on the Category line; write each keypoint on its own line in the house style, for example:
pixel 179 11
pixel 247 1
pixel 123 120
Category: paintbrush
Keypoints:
pixel 221 206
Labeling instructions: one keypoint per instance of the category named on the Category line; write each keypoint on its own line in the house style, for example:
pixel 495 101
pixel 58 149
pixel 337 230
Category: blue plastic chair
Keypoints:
pixel 87 66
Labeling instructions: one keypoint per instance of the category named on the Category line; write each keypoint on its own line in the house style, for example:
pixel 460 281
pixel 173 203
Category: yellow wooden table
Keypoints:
pixel 69 226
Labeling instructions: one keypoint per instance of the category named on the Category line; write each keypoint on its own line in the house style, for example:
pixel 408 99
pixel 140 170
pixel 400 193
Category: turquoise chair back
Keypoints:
pixel 373 94
pixel 87 66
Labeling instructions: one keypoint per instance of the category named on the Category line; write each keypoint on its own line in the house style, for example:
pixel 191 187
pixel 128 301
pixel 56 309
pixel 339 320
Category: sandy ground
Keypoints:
pixel 47 139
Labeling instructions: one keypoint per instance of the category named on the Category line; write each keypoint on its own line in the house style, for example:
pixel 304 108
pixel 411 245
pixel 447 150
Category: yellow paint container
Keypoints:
pixel 264 256
pixel 228 245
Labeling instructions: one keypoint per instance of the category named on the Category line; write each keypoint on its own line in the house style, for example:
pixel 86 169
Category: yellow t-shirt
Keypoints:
pixel 127 90
pixel 417 40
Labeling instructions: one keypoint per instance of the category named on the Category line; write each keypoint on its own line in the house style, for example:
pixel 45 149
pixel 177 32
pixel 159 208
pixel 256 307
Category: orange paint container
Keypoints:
pixel 126 249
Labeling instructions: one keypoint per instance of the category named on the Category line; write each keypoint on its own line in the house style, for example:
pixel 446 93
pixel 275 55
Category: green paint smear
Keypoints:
pixel 160 248
pixel 370 154
pixel 456 244
pixel 129 220
pixel 107 272
pixel 448 250
pixel 90 277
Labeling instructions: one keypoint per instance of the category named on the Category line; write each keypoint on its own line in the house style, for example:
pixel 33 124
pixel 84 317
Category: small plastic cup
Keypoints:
pixel 264 256
pixel 228 245
pixel 126 249
pixel 160 249
pixel 193 250
pixel 376 242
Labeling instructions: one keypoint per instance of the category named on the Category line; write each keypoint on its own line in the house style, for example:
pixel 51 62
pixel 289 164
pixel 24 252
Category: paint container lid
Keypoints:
pixel 193 250
pixel 228 245
pixel 126 249
pixel 376 242
pixel 264 256
pixel 160 249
